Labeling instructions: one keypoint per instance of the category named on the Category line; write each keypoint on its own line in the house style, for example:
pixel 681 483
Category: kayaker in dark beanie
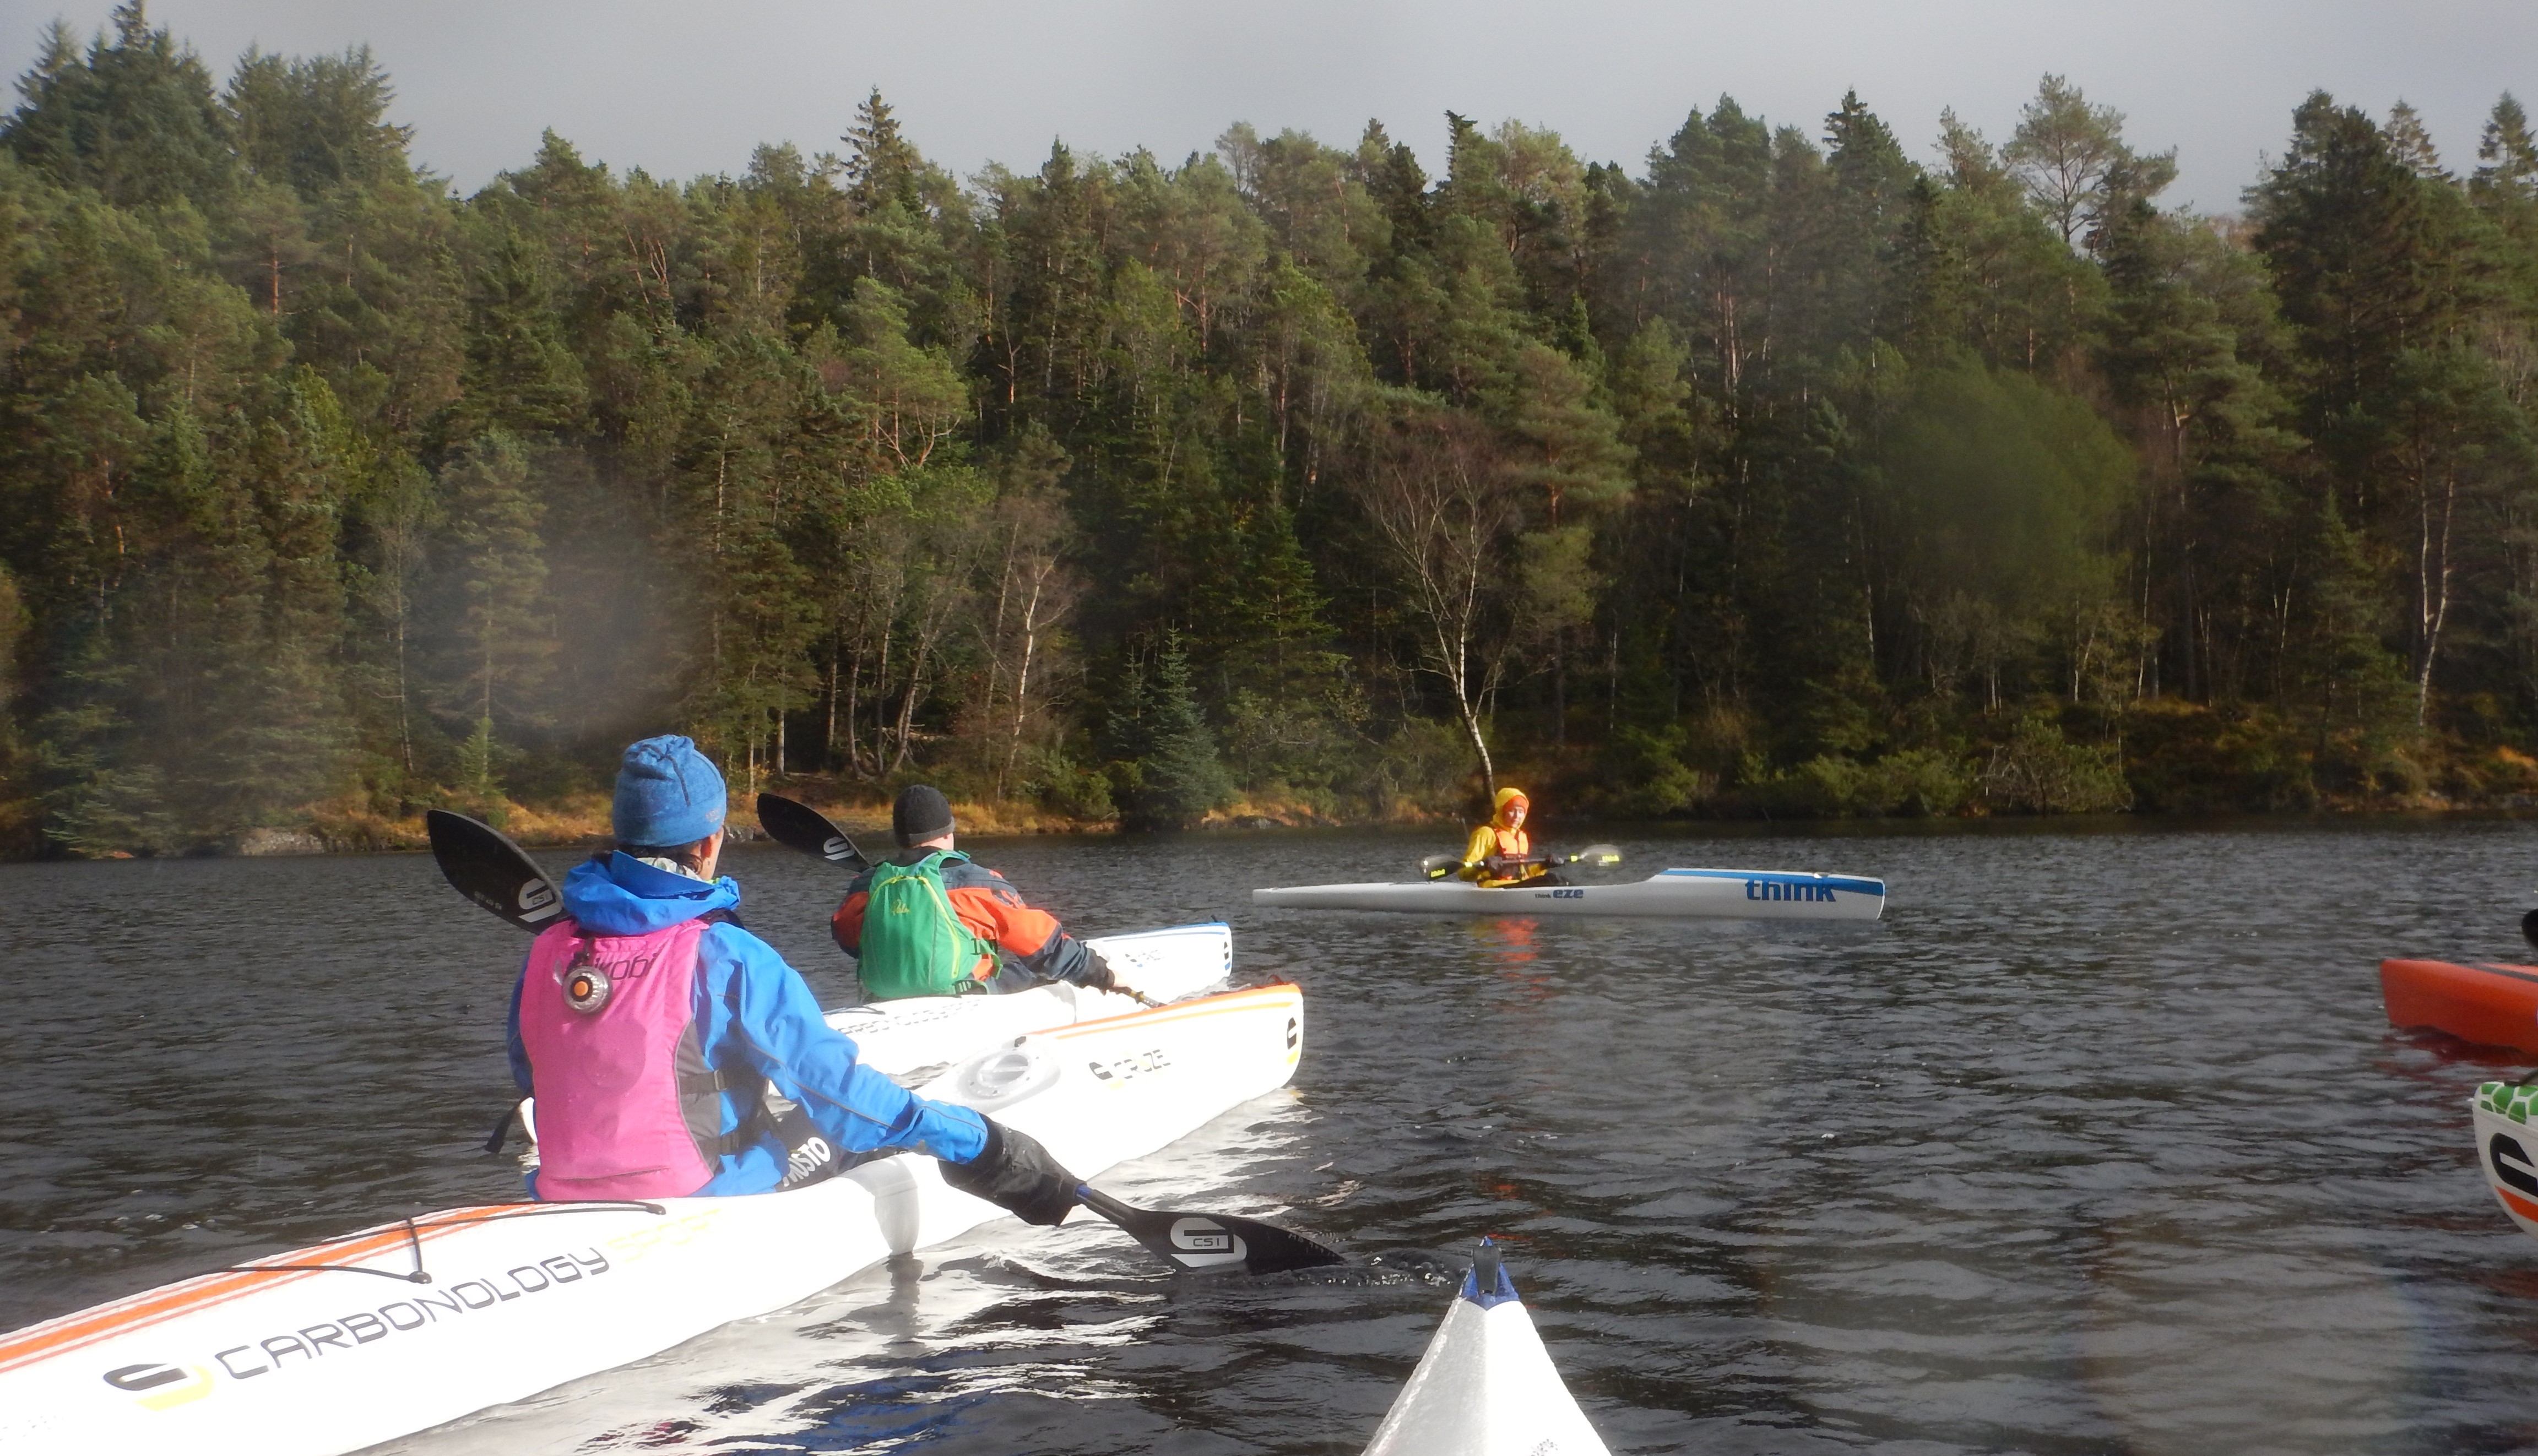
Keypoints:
pixel 650 1025
pixel 929 921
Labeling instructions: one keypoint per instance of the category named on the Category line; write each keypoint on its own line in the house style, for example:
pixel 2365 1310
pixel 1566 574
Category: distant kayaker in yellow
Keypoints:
pixel 1501 852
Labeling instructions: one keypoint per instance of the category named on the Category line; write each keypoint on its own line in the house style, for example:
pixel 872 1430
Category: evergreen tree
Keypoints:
pixel 882 168
pixel 1776 471
pixel 500 626
pixel 519 376
pixel 134 118
pixel 1166 774
pixel 315 124
pixel 2071 154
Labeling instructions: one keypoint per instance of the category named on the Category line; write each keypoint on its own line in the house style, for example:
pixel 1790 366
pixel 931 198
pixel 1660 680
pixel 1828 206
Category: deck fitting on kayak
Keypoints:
pixel 1486 1283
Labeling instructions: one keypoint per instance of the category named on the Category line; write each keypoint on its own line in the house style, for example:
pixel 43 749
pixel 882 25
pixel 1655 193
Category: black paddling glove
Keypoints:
pixel 1097 972
pixel 1017 1174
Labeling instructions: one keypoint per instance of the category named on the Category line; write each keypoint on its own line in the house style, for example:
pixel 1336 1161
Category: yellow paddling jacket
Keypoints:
pixel 1490 841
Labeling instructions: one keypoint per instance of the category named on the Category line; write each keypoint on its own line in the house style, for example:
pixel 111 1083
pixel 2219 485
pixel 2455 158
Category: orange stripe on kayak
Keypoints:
pixel 2517 1204
pixel 1206 1006
pixel 211 1291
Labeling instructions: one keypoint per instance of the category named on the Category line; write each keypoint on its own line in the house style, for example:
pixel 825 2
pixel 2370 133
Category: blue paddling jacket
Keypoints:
pixel 755 1014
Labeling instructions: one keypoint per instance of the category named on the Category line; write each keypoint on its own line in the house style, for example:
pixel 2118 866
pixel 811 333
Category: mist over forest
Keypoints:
pixel 1796 468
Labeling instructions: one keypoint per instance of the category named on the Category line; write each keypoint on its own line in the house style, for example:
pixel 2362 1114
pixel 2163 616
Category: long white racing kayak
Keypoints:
pixel 1717 895
pixel 917 1034
pixel 1486 1387
pixel 404 1326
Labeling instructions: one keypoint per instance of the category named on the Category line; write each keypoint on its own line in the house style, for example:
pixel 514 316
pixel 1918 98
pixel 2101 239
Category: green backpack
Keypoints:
pixel 914 943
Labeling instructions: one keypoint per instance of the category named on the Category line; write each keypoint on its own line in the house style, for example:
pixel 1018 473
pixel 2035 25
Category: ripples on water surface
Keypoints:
pixel 2098 1143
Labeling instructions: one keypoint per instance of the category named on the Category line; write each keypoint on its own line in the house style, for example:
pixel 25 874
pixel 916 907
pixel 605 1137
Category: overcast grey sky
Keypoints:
pixel 682 89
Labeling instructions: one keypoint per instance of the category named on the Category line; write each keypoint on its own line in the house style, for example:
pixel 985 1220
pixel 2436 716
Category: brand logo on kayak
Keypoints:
pixel 669 1233
pixel 1127 1069
pixel 1782 889
pixel 161 1386
pixel 2520 1173
pixel 1569 895
pixel 346 1333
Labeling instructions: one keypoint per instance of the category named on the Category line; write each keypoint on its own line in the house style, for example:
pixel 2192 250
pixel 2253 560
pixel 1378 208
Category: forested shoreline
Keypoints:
pixel 1786 474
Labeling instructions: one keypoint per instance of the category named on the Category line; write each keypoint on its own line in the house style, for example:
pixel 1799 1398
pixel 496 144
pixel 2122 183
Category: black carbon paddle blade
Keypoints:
pixel 485 866
pixel 1438 866
pixel 1197 1243
pixel 2530 928
pixel 797 825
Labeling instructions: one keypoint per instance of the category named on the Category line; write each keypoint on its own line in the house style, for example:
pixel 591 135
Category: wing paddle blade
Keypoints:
pixel 483 864
pixel 1438 866
pixel 1597 854
pixel 1194 1243
pixel 797 825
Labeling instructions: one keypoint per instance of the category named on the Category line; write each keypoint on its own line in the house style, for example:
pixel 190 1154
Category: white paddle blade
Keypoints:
pixel 1597 854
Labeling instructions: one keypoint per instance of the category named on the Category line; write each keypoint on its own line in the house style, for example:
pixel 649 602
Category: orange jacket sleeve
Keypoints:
pixel 847 925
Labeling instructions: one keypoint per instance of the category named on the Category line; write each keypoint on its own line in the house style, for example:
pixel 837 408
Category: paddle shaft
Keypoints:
pixel 1441 866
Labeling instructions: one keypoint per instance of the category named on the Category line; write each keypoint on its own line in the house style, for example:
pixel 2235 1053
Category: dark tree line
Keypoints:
pixel 1787 473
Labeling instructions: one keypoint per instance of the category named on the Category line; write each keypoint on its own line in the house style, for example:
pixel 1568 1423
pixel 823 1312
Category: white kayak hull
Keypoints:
pixel 1486 1387
pixel 917 1033
pixel 525 1297
pixel 1716 895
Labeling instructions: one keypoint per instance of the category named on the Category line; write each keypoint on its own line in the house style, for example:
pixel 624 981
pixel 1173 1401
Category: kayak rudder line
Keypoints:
pixel 1486 1386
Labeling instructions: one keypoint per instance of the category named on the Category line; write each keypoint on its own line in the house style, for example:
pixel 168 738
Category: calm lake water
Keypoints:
pixel 2099 1143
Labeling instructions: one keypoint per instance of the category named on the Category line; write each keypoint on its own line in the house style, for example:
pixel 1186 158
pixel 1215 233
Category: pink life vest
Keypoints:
pixel 627 1107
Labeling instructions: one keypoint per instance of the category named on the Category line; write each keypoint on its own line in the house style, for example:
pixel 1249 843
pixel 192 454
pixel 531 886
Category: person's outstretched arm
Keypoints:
pixel 994 910
pixel 793 1046
pixel 777 1022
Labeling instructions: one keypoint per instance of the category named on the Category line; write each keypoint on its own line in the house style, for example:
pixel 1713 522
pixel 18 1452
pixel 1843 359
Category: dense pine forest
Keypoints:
pixel 1789 472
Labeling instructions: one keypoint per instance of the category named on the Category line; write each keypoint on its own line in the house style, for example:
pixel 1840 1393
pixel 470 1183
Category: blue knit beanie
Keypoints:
pixel 667 794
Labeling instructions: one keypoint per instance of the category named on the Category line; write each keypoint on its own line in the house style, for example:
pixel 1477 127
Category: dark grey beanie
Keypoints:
pixel 922 814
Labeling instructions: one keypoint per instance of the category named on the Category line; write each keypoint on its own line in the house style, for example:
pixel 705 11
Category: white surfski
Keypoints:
pixel 411 1323
pixel 1486 1387
pixel 1716 895
pixel 908 1038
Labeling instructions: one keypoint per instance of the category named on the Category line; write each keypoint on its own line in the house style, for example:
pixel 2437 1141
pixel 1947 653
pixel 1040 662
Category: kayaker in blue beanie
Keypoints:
pixel 650 1025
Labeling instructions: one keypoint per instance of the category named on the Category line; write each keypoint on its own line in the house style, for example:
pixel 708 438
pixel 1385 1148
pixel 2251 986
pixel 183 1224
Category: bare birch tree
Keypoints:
pixel 1020 611
pixel 1441 494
